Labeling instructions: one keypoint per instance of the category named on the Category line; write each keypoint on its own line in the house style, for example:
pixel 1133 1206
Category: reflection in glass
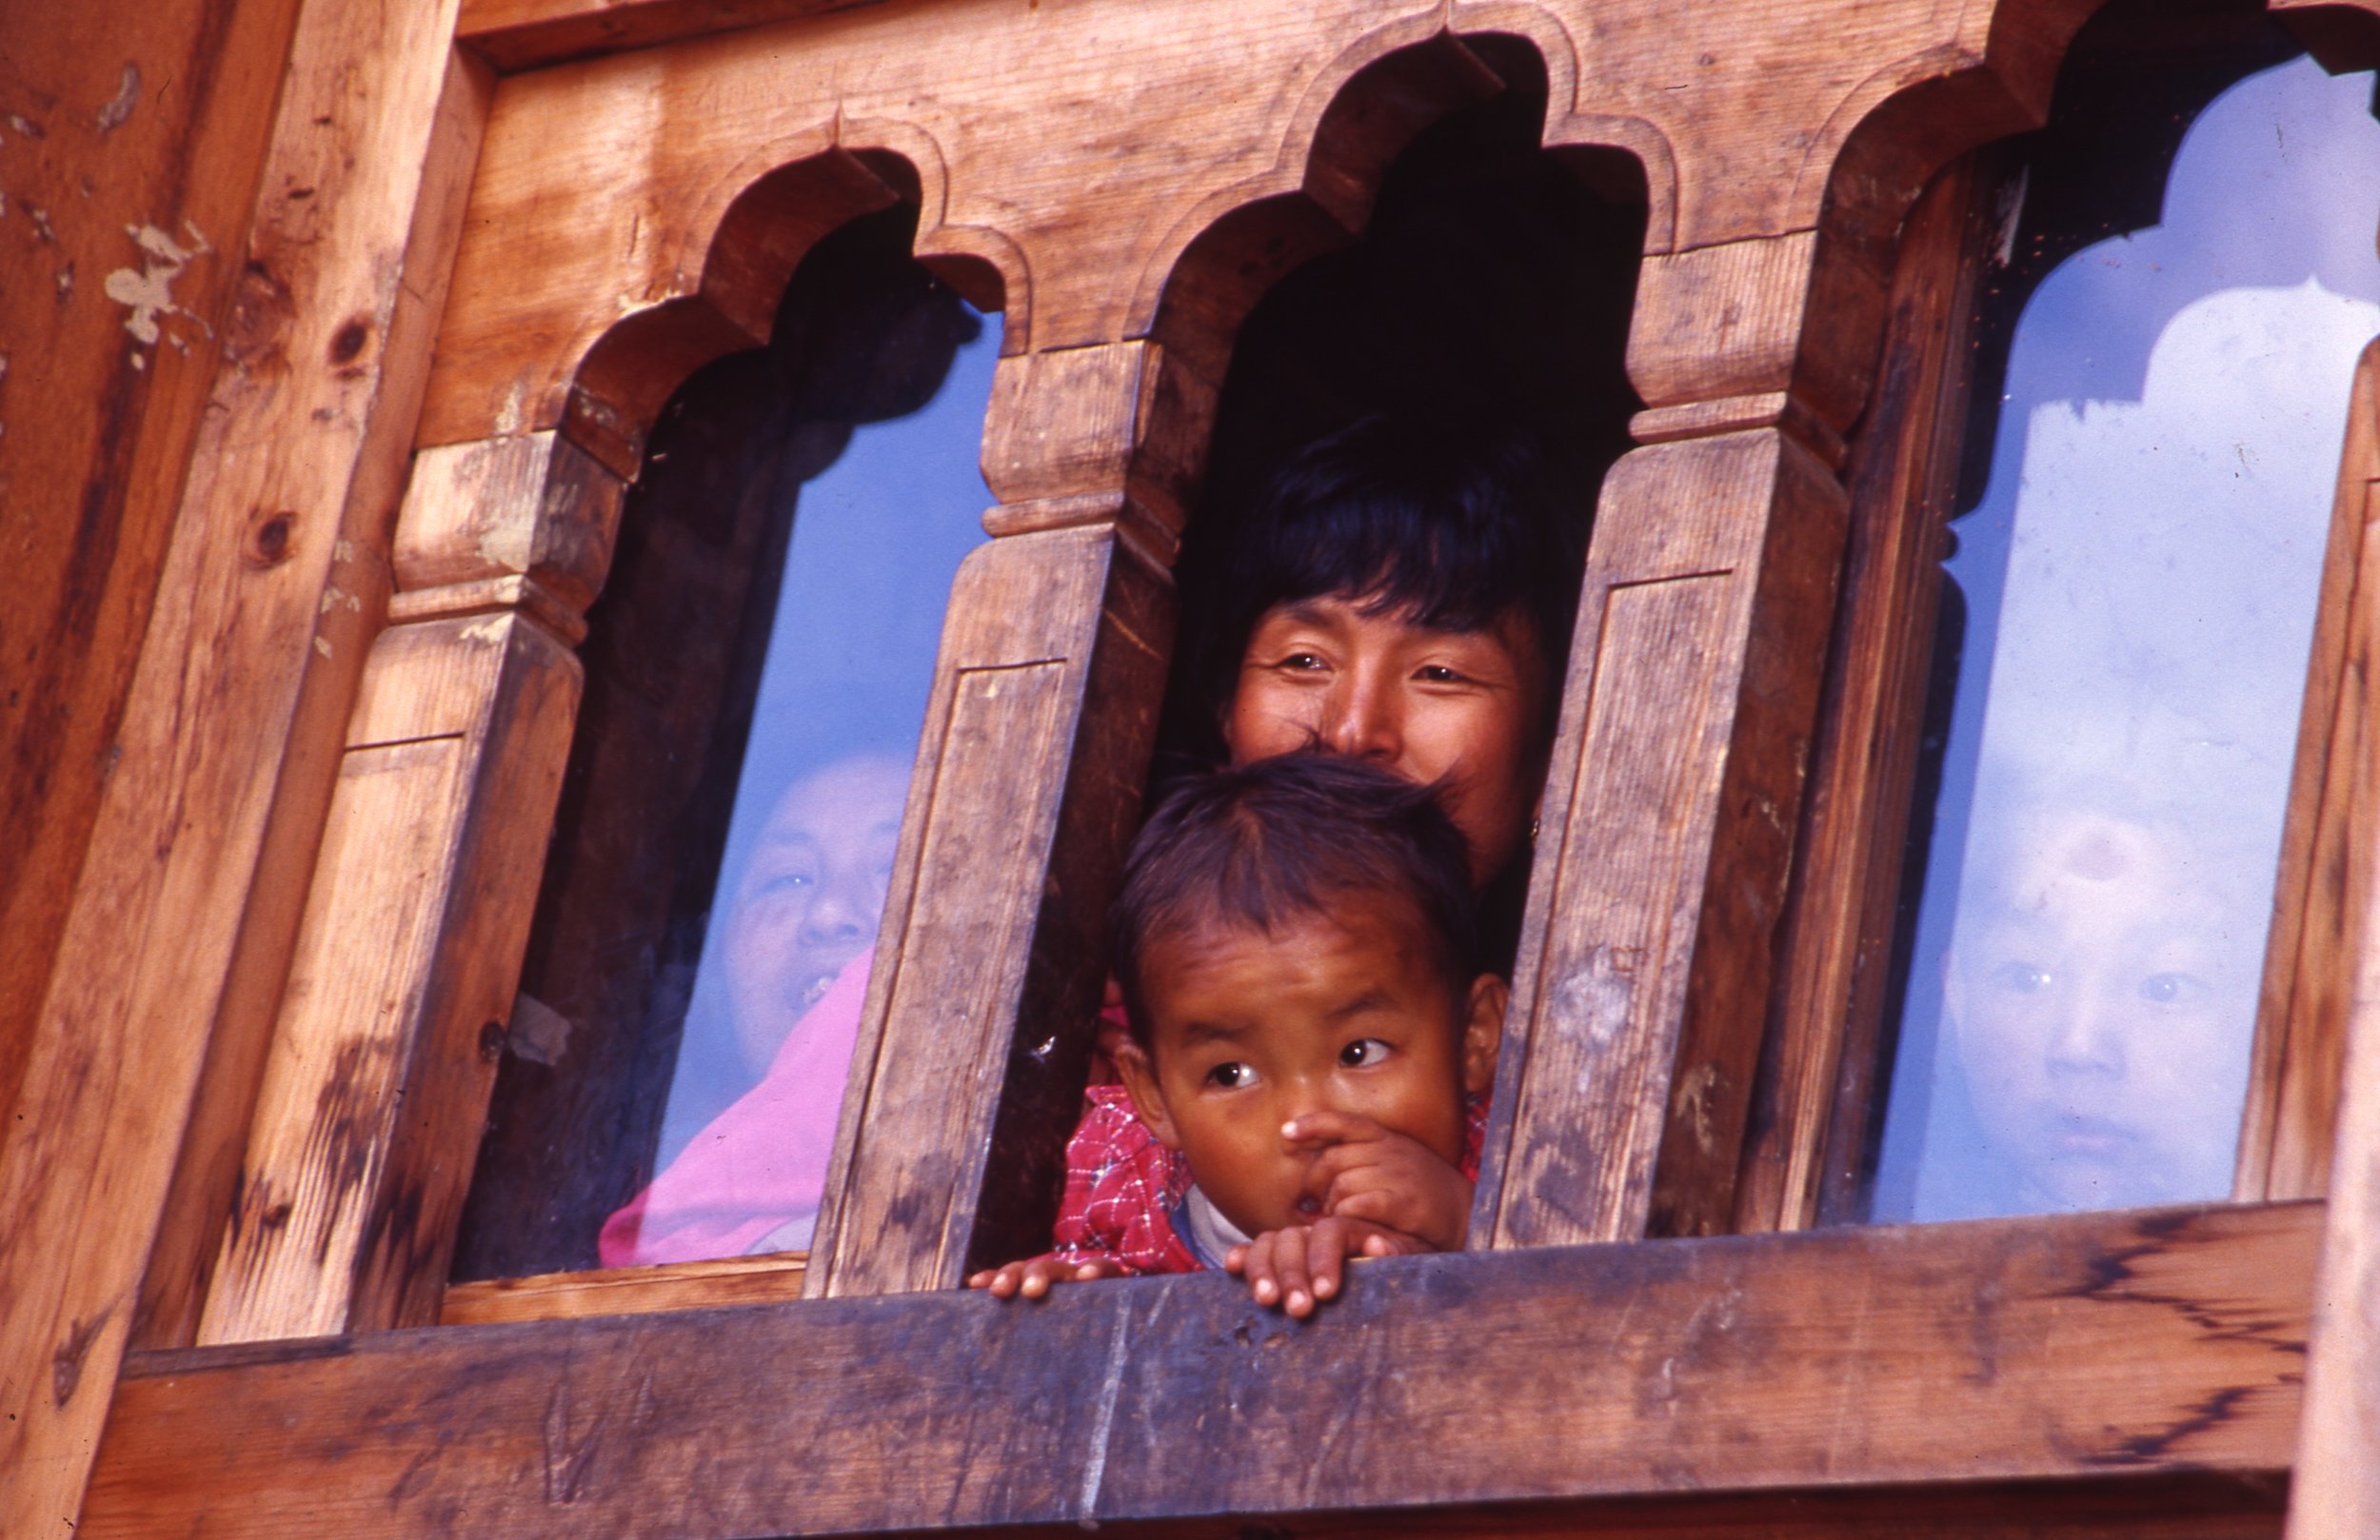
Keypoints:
pixel 786 952
pixel 2139 581
pixel 757 670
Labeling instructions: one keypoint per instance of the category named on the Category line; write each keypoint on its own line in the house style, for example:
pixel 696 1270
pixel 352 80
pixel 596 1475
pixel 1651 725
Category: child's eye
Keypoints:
pixel 1361 1051
pixel 1232 1076
pixel 2174 989
pixel 2020 978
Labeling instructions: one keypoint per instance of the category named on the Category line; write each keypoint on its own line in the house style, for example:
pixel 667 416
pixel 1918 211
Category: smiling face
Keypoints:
pixel 811 896
pixel 1464 707
pixel 1347 1012
pixel 2102 1011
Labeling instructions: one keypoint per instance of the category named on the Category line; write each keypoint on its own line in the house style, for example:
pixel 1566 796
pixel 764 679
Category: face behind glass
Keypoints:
pixel 2102 1013
pixel 1349 1012
pixel 811 896
pixel 1464 707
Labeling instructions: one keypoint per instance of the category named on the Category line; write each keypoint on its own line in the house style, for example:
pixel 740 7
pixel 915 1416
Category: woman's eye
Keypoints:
pixel 1438 674
pixel 1232 1076
pixel 790 883
pixel 1300 661
pixel 2174 989
pixel 1361 1051
pixel 2019 978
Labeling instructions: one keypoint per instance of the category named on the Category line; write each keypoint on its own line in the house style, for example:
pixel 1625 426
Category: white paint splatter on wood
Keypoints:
pixel 149 292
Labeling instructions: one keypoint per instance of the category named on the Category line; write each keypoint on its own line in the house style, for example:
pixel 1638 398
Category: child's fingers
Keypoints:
pixel 1327 1248
pixel 1032 1279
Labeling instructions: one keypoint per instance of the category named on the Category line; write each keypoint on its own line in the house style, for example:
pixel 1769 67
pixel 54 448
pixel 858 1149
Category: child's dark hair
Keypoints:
pixel 1261 844
pixel 1438 520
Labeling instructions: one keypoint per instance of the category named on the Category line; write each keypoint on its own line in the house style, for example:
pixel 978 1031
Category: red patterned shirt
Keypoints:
pixel 1123 1189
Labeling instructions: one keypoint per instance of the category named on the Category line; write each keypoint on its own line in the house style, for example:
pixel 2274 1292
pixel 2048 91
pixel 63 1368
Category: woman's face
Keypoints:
pixel 1465 708
pixel 811 896
pixel 2102 1008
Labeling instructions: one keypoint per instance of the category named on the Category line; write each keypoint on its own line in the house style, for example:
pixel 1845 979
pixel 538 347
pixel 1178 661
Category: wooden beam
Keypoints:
pixel 529 35
pixel 2338 1490
pixel 1826 1010
pixel 307 422
pixel 627 1291
pixel 2141 1343
pixel 132 120
pixel 975 1043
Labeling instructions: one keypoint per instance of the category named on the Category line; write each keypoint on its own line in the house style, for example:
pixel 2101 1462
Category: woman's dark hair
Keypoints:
pixel 1269 842
pixel 1444 521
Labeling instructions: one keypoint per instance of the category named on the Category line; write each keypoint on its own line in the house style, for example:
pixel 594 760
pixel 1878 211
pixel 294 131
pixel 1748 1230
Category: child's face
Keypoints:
pixel 2101 1011
pixel 1348 1013
pixel 1464 706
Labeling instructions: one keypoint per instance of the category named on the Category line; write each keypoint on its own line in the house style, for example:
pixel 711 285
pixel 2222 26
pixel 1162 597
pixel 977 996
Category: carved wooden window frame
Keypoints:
pixel 1639 1002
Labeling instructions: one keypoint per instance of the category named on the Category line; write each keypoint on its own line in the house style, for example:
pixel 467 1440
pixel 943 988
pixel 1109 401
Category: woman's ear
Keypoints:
pixel 1483 1033
pixel 1138 1072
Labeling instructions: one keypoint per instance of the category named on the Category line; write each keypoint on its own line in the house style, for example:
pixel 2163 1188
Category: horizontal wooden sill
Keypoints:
pixel 526 34
pixel 628 1291
pixel 2149 1344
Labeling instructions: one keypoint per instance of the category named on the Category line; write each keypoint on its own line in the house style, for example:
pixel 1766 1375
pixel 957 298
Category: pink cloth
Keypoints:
pixel 762 1163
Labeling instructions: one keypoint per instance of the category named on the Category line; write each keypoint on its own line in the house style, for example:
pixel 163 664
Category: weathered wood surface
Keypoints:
pixel 627 1291
pixel 2138 1343
pixel 1641 983
pixel 1064 172
pixel 1833 977
pixel 524 34
pixel 304 438
pixel 119 122
pixel 976 1038
pixel 353 610
pixel 377 1085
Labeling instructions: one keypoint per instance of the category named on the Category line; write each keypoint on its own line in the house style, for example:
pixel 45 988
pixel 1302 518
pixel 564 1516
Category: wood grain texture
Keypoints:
pixel 2324 885
pixel 973 1044
pixel 1069 177
pixel 627 1291
pixel 525 34
pixel 2090 1345
pixel 295 418
pixel 351 611
pixel 115 118
pixel 1642 978
pixel 377 1085
pixel 1811 1108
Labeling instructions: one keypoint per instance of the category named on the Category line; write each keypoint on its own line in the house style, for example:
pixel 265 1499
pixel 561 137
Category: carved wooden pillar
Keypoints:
pixel 409 950
pixel 1669 813
pixel 1027 786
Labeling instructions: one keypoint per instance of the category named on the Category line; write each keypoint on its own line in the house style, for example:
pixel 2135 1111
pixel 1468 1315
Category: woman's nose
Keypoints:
pixel 1361 719
pixel 836 914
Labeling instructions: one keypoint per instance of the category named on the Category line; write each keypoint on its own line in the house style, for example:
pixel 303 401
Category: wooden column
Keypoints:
pixel 1027 786
pixel 323 347
pixel 1669 814
pixel 407 959
pixel 2314 1102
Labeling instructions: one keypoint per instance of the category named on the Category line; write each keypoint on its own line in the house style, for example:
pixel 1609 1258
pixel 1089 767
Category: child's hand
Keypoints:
pixel 1392 1180
pixel 1299 1268
pixel 1033 1276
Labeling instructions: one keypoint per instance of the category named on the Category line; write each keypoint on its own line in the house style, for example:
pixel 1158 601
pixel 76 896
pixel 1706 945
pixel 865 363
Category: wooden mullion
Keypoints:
pixel 1813 1108
pixel 2140 1345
